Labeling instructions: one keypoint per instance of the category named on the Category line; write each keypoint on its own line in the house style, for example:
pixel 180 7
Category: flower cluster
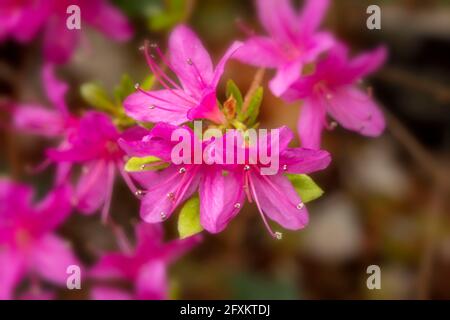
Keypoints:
pixel 148 138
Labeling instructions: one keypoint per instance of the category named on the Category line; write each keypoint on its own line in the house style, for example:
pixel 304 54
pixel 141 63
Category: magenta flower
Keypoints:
pixel 333 89
pixel 28 244
pixel 89 141
pixel 22 20
pixel 222 188
pixel 273 194
pixel 293 40
pixel 195 98
pixel 145 266
pixel 165 190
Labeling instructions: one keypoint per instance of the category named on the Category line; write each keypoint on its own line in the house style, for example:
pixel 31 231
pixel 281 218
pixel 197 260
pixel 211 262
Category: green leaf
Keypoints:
pixel 97 97
pixel 189 218
pixel 252 112
pixel 124 89
pixel 135 164
pixel 148 82
pixel 306 188
pixel 233 90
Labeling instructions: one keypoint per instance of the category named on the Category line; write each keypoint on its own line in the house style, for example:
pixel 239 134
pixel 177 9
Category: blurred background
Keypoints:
pixel 386 199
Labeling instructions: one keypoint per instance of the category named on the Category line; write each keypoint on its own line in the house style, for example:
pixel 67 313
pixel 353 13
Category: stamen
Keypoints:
pixel 276 235
pixel 199 76
pixel 237 205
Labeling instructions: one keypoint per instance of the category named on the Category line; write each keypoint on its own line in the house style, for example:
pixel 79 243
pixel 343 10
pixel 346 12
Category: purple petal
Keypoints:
pixel 10 273
pixel 90 191
pixel 108 293
pixel 59 42
pixel 207 109
pixel 312 15
pixel 366 63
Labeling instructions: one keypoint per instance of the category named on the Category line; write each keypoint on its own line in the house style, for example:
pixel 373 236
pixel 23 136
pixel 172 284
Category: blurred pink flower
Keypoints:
pixel 145 266
pixel 196 97
pixel 22 20
pixel 293 40
pixel 89 140
pixel 28 244
pixel 332 89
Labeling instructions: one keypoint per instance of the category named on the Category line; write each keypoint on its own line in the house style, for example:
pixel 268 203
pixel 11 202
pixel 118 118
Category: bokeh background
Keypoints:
pixel 386 199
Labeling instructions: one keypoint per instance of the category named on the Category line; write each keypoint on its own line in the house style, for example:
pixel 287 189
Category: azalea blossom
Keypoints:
pixel 89 141
pixel 194 97
pixel 145 266
pixel 28 243
pixel 273 194
pixel 166 189
pixel 292 42
pixel 222 188
pixel 333 89
pixel 22 20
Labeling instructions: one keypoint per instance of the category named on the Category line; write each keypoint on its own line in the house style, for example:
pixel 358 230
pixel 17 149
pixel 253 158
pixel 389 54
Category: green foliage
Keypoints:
pixel 189 218
pixel 136 164
pixel 306 188
pixel 233 91
pixel 170 13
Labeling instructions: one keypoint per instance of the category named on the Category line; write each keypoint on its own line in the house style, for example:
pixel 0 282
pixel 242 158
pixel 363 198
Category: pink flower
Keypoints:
pixel 222 187
pixel 22 20
pixel 273 194
pixel 145 266
pixel 293 40
pixel 195 98
pixel 333 89
pixel 89 141
pixel 28 244
pixel 167 189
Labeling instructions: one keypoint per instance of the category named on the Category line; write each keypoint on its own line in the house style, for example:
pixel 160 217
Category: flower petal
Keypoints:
pixel 366 63
pixel 34 119
pixel 161 106
pixel 221 198
pixel 218 71
pixel 356 111
pixel 312 15
pixel 301 160
pixel 10 273
pixel 151 283
pixel 109 293
pixel 207 109
pixel 260 51
pixel 55 89
pixel 59 42
pixel 286 75
pixel 278 18
pixel 279 200
pixel 190 60
pixel 90 191
pixel 109 20
pixel 50 258
pixel 311 122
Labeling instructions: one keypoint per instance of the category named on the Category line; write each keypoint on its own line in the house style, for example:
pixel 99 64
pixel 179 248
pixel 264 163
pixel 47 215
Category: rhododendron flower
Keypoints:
pixel 145 266
pixel 28 244
pixel 293 40
pixel 165 190
pixel 222 187
pixel 195 98
pixel 273 194
pixel 89 141
pixel 333 89
pixel 22 20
